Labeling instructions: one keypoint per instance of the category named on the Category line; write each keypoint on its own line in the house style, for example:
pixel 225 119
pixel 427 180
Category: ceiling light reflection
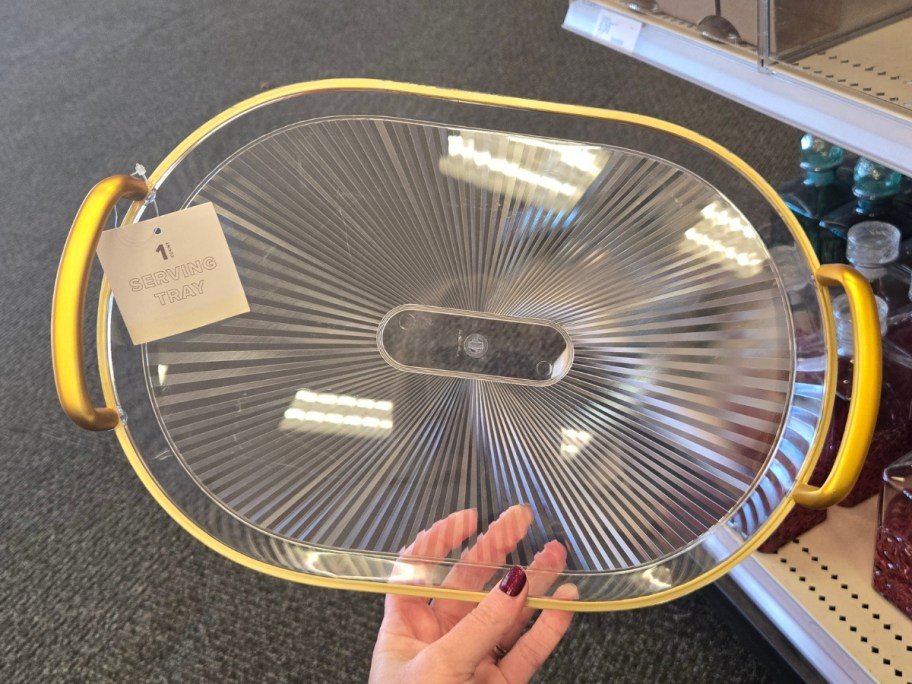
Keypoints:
pixel 459 147
pixel 556 174
pixel 725 232
pixel 338 414
pixel 573 442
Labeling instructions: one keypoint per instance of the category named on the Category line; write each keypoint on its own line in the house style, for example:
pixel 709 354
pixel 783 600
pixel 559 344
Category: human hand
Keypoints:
pixel 453 641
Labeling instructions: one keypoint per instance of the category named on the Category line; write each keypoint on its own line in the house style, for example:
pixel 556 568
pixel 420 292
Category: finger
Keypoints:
pixel 543 572
pixel 478 564
pixel 473 638
pixel 416 562
pixel 534 647
pixel 502 535
pixel 443 536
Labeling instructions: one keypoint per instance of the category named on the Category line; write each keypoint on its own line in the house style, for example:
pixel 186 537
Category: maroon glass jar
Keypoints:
pixel 893 548
pixel 892 430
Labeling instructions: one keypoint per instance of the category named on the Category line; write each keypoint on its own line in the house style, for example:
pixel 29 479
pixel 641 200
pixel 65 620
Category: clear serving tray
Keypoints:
pixel 568 324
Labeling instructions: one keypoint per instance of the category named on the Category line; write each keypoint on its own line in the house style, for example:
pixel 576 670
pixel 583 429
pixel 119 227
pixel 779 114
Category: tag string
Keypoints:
pixel 140 172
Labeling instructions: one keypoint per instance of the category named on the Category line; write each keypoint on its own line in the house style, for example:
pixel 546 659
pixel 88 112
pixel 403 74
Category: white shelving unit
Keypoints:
pixel 840 103
pixel 817 591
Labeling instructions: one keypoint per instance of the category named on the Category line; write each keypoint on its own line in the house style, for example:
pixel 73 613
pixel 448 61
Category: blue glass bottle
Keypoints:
pixel 905 193
pixel 845 172
pixel 817 192
pixel 875 187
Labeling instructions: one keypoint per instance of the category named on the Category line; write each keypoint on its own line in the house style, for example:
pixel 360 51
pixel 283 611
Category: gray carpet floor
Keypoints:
pixel 97 584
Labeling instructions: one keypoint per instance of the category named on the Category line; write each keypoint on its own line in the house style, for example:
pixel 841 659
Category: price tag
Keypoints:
pixel 172 274
pixel 617 31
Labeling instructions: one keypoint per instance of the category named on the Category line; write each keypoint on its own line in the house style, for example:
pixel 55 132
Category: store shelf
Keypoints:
pixel 856 92
pixel 810 94
pixel 871 65
pixel 817 591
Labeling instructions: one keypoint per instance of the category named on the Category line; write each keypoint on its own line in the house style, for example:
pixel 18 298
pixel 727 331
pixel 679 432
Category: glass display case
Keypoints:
pixel 838 69
pixel 855 46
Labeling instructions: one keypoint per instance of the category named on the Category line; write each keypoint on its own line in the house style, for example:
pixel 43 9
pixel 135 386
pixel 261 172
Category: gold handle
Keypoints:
pixel 865 400
pixel 69 300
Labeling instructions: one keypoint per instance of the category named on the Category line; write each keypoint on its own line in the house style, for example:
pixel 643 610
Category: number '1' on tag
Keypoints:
pixel 172 274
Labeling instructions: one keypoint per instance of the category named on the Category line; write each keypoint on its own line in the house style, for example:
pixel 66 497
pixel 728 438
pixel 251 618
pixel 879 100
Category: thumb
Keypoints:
pixel 473 638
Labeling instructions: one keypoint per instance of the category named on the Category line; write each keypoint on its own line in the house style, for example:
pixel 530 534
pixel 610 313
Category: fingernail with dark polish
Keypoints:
pixel 514 582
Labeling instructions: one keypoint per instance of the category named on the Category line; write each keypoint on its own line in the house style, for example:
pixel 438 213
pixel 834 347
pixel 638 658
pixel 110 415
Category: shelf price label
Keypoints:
pixel 595 21
pixel 616 30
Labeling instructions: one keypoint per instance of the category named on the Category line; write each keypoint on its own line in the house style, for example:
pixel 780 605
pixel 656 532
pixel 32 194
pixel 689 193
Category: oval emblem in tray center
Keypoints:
pixel 468 344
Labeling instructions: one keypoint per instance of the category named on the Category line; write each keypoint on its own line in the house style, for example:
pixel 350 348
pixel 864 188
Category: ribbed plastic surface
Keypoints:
pixel 292 419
